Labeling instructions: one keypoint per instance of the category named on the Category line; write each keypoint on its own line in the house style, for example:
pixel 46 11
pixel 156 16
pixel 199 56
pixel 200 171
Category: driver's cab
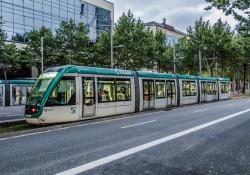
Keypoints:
pixel 62 104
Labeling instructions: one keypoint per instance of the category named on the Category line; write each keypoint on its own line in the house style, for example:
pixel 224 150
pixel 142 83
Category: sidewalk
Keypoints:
pixel 240 96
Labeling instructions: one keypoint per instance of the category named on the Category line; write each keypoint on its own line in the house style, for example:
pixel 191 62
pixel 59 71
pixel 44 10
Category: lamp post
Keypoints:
pixel 200 58
pixel 111 46
pixel 41 54
pixel 112 55
pixel 174 61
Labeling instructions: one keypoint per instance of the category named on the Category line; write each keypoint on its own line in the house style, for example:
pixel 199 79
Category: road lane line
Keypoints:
pixel 4 113
pixel 143 123
pixel 77 126
pixel 94 164
pixel 202 110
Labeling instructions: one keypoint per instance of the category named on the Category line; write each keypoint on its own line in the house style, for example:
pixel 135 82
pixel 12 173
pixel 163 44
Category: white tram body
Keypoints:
pixel 74 93
pixel 208 89
pixel 188 89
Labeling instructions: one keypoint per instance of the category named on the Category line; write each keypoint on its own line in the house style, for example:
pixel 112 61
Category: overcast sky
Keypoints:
pixel 179 13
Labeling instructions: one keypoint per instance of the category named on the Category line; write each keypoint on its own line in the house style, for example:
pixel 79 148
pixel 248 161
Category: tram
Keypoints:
pixel 72 93
pixel 14 92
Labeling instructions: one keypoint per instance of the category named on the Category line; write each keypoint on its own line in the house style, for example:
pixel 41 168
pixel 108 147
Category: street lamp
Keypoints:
pixel 200 59
pixel 41 54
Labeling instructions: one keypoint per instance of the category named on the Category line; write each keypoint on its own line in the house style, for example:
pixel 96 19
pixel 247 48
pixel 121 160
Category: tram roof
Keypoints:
pixel 91 70
pixel 22 81
pixel 155 75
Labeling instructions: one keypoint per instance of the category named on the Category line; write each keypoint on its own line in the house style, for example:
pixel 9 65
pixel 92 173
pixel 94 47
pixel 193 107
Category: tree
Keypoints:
pixel 20 38
pixel 32 53
pixel 214 43
pixel 102 50
pixel 238 8
pixel 162 54
pixel 10 59
pixel 72 44
pixel 137 51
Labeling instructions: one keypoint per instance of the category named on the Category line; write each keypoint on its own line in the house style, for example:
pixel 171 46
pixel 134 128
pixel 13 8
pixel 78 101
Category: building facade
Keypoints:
pixel 172 35
pixel 21 16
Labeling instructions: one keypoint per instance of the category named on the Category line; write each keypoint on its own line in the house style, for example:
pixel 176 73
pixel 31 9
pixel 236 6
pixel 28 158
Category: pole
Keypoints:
pixel 174 60
pixel 41 54
pixel 111 46
pixel 216 68
pixel 199 61
pixel 244 77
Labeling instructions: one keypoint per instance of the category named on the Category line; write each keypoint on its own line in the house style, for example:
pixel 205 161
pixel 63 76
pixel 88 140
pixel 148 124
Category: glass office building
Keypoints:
pixel 20 16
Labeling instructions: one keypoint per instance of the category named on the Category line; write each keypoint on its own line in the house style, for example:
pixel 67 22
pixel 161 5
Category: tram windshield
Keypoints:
pixel 40 87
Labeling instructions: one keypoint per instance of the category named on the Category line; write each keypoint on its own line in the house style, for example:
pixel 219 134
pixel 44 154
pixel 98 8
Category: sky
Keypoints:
pixel 179 13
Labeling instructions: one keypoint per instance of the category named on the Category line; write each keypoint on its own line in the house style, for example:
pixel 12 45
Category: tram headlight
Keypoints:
pixel 31 109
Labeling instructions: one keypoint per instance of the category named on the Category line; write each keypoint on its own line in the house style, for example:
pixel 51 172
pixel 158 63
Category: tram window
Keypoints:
pixel 64 93
pixel 188 88
pixel 89 91
pixel 19 95
pixel 185 88
pixel 123 91
pixel 192 89
pixel 209 88
pixel 214 89
pixel 224 87
pixel 160 89
pixel 106 90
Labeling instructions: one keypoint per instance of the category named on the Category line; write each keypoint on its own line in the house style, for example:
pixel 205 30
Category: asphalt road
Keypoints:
pixel 204 139
pixel 11 113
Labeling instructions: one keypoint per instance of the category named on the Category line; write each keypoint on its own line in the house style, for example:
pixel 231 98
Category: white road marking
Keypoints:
pixel 111 158
pixel 230 104
pixel 4 113
pixel 143 123
pixel 76 126
pixel 202 110
pixel 13 115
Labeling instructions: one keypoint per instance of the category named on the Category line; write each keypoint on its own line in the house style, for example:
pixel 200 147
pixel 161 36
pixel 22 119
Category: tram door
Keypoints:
pixel 89 103
pixel 203 91
pixel 215 91
pixel 171 94
pixel 148 94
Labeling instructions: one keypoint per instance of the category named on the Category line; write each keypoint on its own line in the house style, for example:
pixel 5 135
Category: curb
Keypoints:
pixel 12 122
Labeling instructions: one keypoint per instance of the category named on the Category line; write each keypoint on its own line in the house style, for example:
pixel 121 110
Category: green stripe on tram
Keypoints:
pixel 99 71
pixel 207 78
pixel 224 79
pixel 22 81
pixel 155 75
pixel 187 77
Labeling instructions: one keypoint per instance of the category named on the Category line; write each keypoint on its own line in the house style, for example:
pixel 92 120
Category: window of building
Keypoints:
pixel 64 93
pixel 160 89
pixel 123 90
pixel 188 88
pixel 82 9
pixel 106 90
